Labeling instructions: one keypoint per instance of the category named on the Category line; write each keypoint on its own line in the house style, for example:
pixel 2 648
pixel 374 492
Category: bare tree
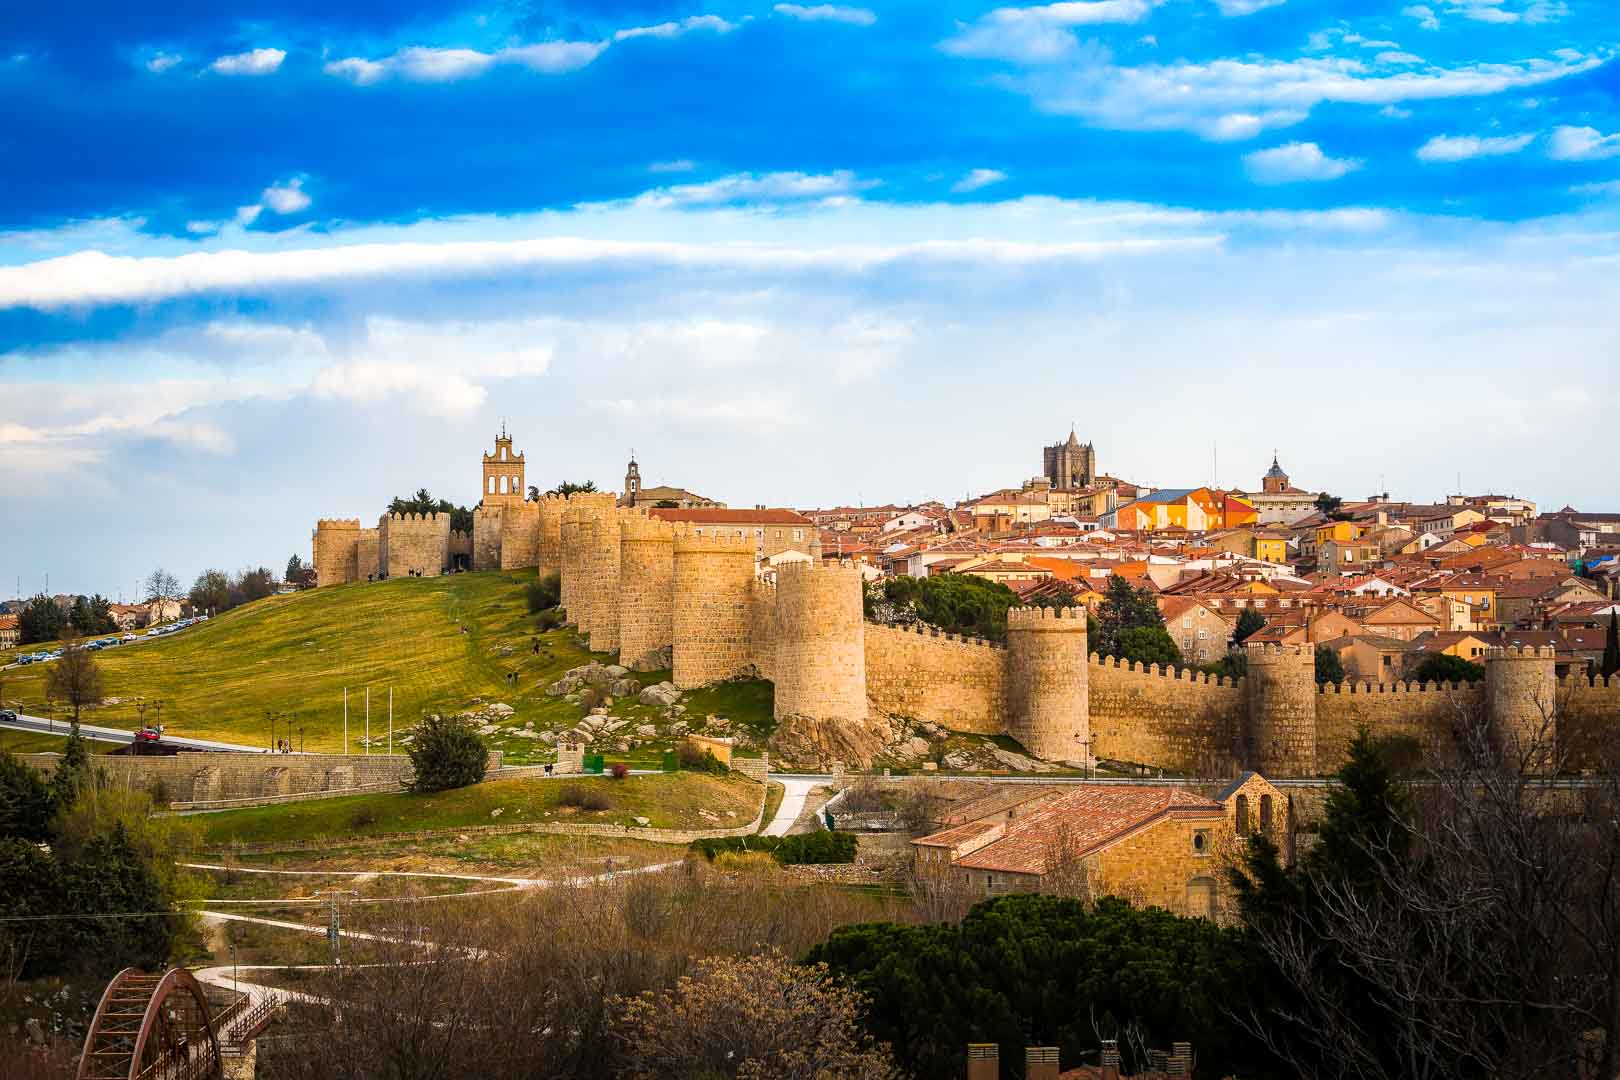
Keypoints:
pixel 1067 871
pixel 161 585
pixel 75 678
pixel 1484 937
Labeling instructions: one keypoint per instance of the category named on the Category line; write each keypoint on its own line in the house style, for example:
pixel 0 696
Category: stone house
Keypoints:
pixel 1153 844
pixel 1400 619
pixel 10 632
pixel 1200 632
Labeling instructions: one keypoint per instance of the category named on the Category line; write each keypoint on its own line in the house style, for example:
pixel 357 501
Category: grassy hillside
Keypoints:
pixel 440 643
pixel 675 800
pixel 39 742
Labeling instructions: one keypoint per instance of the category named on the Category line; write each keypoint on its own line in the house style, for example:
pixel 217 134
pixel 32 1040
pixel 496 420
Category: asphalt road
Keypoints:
pixel 117 735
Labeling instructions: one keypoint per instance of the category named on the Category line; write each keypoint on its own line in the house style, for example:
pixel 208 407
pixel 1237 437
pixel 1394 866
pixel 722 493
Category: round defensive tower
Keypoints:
pixel 820 663
pixel 1281 692
pixel 571 564
pixel 1048 707
pixel 714 587
pixel 1521 696
pixel 548 545
pixel 646 591
pixel 336 543
pixel 602 569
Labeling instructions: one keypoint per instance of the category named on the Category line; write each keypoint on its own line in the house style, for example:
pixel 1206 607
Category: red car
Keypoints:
pixel 149 735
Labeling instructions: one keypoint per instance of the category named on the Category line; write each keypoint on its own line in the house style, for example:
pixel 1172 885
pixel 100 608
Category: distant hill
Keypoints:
pixel 439 642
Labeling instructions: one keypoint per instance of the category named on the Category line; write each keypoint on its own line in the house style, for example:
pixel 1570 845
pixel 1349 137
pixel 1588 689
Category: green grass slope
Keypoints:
pixel 440 643
pixel 674 800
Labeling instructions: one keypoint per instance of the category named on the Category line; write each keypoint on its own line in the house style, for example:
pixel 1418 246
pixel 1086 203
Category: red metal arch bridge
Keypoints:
pixel 162 1027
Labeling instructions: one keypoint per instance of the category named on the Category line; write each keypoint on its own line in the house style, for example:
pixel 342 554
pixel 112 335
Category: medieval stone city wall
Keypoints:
pixel 820 643
pixel 1048 711
pixel 646 591
pixel 713 623
pixel 336 542
pixel 1421 711
pixel 1183 721
pixel 548 535
pixel 571 565
pixel 520 536
pixel 461 545
pixel 486 553
pixel 922 673
pixel 602 561
pixel 762 632
pixel 368 555
pixel 414 545
pixel 1280 736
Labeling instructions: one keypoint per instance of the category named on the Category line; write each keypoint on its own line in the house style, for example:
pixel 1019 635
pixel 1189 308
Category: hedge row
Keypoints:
pixel 805 848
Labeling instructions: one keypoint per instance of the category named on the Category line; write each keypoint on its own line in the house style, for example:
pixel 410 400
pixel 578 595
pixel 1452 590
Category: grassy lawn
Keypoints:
pixel 673 800
pixel 38 742
pixel 510 855
pixel 439 643
pixel 773 802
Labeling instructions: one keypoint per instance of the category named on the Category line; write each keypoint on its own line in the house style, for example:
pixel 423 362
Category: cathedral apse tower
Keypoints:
pixel 1070 464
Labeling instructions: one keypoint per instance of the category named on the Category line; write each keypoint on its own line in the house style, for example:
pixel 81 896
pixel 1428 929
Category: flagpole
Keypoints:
pixel 345 721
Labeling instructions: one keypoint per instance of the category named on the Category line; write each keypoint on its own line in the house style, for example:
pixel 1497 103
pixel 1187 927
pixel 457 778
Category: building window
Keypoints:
pixel 1265 813
pixel 491 490
pixel 1200 842
pixel 1243 815
pixel 798 534
pixel 1201 897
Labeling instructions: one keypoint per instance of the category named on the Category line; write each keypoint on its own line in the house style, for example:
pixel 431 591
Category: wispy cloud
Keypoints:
pixel 978 178
pixel 679 165
pixel 1501 12
pixel 287 197
pixel 423 64
pixel 1237 99
pixel 255 62
pixel 1231 8
pixel 1446 148
pixel 855 16
pixel 1296 161
pixel 676 28
pixel 159 62
pixel 777 187
pixel 1038 35
pixel 1569 143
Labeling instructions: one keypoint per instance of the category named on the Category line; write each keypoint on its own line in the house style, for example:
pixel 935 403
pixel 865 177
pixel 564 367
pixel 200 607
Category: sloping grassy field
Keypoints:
pixel 673 800
pixel 440 643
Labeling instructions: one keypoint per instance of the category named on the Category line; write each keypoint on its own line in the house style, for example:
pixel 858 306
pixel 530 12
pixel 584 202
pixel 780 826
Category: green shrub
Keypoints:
pixel 698 759
pixel 803 849
pixel 544 593
pixel 549 619
pixel 446 753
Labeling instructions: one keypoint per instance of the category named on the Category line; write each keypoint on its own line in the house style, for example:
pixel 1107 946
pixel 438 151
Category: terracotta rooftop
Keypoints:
pixel 708 516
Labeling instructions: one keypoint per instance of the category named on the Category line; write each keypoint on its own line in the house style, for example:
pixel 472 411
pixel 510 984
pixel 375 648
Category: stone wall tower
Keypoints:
pixel 548 544
pixel 502 481
pixel 1281 693
pixel 1521 697
pixel 601 537
pixel 336 546
pixel 646 591
pixel 820 666
pixel 1048 707
pixel 571 564
pixel 714 588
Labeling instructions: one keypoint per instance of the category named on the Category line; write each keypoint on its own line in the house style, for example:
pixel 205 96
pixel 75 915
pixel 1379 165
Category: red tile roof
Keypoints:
pixel 705 516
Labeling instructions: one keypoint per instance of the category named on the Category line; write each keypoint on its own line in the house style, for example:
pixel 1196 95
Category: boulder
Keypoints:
pixel 643 822
pixel 661 695
pixel 624 687
pixel 646 731
pixel 549 738
pixel 615 671
pixel 500 710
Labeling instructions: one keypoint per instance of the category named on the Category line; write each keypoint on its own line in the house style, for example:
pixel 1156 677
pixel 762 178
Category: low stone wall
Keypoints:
pixel 241 779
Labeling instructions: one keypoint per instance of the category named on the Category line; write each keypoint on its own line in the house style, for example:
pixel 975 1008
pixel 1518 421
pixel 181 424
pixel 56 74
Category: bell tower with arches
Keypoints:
pixel 503 474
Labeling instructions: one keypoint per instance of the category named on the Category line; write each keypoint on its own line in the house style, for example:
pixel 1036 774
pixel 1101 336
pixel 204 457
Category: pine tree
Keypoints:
pixel 1249 620
pixel 1611 648
pixel 73 773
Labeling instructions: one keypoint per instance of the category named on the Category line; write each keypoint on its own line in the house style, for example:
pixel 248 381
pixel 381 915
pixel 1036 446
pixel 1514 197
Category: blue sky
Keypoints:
pixel 261 263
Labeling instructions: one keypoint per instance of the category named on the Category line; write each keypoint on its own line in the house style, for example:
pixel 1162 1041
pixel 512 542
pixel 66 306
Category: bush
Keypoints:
pixel 805 849
pixel 698 759
pixel 585 797
pixel 549 619
pixel 446 753
pixel 544 593
pixel 619 770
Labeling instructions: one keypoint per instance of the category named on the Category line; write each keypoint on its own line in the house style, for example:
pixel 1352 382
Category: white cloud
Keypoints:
pixel 855 16
pixel 1397 57
pixel 1037 35
pixel 978 178
pixel 1602 187
pixel 1423 14
pixel 423 64
pixel 247 215
pixel 1230 99
pixel 286 198
pixel 159 62
pixel 1569 143
pixel 1245 7
pixel 778 187
pixel 1446 148
pixel 677 27
pixel 679 165
pixel 256 62
pixel 1296 161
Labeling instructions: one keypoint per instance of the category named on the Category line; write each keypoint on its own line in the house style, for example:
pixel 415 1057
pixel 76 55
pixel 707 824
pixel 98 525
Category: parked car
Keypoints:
pixel 127 637
pixel 149 734
pixel 8 716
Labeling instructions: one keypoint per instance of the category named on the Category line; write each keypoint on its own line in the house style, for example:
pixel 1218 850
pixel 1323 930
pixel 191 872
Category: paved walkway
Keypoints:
pixel 796 790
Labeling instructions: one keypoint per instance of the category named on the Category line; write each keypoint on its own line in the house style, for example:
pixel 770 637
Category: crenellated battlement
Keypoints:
pixel 1575 681
pixel 1161 671
pixel 688 539
pixel 413 519
pixel 337 524
pixel 1066 620
pixel 1521 652
pixel 934 633
pixel 637 526
pixel 1348 687
pixel 1273 652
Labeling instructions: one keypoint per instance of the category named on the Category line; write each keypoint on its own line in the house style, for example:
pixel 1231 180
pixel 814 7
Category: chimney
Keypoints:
pixel 1181 1061
pixel 1110 1059
pixel 1040 1063
pixel 983 1061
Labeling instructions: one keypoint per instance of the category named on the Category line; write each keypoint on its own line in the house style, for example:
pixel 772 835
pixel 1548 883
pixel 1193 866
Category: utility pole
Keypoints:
pixel 334 928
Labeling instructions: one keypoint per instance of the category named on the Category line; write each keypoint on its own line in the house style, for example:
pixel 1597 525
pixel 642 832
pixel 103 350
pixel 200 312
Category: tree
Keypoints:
pixel 41 619
pixel 1445 668
pixel 1611 647
pixel 568 487
pixel 1249 621
pixel 446 752
pixel 73 773
pixel 1328 505
pixel 25 800
pixel 75 678
pixel 758 1017
pixel 543 593
pixel 1329 668
pixel 211 591
pixel 423 502
pixel 252 585
pixel 1124 607
pixel 956 603
pixel 1149 645
pixel 298 574
pixel 110 875
pixel 91 615
pixel 162 585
